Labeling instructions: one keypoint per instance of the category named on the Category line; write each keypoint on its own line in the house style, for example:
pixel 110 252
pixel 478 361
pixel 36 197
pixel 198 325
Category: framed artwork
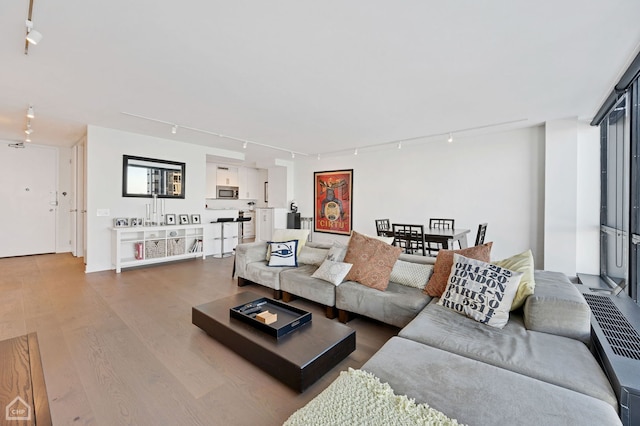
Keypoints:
pixel 120 222
pixel 184 219
pixel 266 192
pixel 136 221
pixel 170 219
pixel 333 201
pixel 195 219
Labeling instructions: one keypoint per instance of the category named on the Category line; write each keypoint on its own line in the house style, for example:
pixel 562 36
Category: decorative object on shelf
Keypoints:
pixel 136 221
pixel 120 222
pixel 195 219
pixel 170 219
pixel 251 204
pixel 184 219
pixel 333 201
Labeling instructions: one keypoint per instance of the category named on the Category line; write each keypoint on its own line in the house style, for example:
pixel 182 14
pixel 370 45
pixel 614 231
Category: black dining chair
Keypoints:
pixel 410 238
pixel 434 248
pixel 383 228
pixel 482 230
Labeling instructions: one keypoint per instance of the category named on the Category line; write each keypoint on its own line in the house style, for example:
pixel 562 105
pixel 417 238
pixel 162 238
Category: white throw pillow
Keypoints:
pixel 411 274
pixel 312 256
pixel 480 290
pixel 290 234
pixel 337 252
pixel 283 253
pixel 333 272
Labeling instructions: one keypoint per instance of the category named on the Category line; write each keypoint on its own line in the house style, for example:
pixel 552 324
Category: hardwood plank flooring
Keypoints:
pixel 120 348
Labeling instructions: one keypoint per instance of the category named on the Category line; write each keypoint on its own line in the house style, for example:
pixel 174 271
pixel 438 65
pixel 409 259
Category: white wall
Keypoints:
pixel 105 148
pixel 496 178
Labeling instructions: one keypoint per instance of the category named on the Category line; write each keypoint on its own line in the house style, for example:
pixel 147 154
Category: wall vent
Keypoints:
pixel 620 334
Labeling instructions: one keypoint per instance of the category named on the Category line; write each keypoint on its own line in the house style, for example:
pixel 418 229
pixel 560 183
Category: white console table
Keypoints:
pixel 136 246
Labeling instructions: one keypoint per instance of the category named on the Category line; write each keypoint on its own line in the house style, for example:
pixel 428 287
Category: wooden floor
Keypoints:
pixel 120 348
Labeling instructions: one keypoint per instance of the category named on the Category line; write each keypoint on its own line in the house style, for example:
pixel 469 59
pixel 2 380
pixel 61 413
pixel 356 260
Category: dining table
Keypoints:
pixel 447 237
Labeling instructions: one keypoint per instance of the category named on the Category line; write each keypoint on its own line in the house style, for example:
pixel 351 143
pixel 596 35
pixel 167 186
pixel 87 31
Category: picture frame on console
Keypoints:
pixel 170 219
pixel 184 219
pixel 333 201
pixel 195 219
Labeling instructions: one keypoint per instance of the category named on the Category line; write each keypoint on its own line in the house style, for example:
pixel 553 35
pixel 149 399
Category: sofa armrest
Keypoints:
pixel 248 253
pixel 557 307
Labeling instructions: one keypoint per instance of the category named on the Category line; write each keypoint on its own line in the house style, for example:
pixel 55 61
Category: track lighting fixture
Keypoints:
pixel 27 139
pixel 174 129
pixel 28 130
pixel 450 138
pixel 399 145
pixel 244 144
pixel 33 36
pixel 355 152
pixel 293 155
pixel 30 113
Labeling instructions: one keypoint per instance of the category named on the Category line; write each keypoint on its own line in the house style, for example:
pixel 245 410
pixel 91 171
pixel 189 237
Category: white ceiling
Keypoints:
pixel 308 76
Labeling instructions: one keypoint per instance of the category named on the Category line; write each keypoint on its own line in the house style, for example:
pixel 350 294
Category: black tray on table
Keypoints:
pixel 290 318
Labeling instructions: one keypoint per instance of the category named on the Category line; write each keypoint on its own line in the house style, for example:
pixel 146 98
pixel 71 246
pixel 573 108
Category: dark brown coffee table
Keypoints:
pixel 297 359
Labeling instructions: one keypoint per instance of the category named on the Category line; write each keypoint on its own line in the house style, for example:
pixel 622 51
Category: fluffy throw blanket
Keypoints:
pixel 358 397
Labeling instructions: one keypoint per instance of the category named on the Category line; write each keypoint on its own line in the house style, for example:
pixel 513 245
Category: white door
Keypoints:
pixel 28 191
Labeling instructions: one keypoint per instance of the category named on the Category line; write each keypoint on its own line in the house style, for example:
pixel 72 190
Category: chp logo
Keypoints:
pixel 18 409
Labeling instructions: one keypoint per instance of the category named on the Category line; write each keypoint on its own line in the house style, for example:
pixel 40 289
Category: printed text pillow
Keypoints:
pixel 480 290
pixel 442 268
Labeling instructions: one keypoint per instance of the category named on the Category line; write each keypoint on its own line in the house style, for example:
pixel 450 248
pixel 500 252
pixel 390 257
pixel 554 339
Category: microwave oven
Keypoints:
pixel 227 192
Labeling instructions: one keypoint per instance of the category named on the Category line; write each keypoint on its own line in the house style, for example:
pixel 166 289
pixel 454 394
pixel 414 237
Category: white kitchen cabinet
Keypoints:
pixel 248 183
pixel 267 220
pixel 221 238
pixel 212 180
pixel 138 246
pixel 227 176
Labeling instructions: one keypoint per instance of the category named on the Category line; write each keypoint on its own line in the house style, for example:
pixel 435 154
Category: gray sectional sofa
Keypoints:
pixel 537 370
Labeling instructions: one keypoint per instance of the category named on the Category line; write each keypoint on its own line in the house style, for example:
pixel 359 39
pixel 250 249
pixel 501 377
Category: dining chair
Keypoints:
pixel 434 248
pixel 410 238
pixel 442 223
pixel 383 228
pixel 482 230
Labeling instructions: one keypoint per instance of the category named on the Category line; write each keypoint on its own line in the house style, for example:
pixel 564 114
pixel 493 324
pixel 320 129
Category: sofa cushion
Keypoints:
pixel 333 272
pixel 480 290
pixel 283 253
pixel 337 252
pixel 444 261
pixel 557 307
pixel 312 256
pixel 299 281
pixel 261 273
pixel 372 261
pixel 522 262
pixel 475 393
pixel 411 274
pixel 287 235
pixel 553 359
pixel 398 305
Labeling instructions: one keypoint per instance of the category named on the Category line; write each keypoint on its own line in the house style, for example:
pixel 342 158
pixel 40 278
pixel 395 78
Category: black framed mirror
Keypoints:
pixel 143 177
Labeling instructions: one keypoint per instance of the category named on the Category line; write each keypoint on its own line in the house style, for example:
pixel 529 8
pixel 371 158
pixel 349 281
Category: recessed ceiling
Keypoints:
pixel 311 77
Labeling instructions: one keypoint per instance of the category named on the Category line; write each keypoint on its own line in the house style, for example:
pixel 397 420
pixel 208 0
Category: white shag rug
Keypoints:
pixel 358 397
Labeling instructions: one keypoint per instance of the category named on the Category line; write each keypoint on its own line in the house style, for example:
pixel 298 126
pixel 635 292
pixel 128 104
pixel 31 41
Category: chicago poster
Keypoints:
pixel 333 201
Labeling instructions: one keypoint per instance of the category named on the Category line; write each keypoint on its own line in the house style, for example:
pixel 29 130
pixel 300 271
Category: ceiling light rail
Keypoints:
pixel 245 142
pixel 398 144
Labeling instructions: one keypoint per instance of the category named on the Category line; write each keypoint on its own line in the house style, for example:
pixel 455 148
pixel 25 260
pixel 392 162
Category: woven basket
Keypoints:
pixel 176 246
pixel 155 248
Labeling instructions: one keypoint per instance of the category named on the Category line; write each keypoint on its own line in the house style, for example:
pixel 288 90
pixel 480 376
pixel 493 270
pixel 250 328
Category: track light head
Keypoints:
pixel 450 138
pixel 355 152
pixel 174 129
pixel 293 155
pixel 27 139
pixel 244 144
pixel 30 113
pixel 33 36
pixel 28 130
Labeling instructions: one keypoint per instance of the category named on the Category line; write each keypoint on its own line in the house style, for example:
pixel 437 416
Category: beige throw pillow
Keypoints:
pixel 522 262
